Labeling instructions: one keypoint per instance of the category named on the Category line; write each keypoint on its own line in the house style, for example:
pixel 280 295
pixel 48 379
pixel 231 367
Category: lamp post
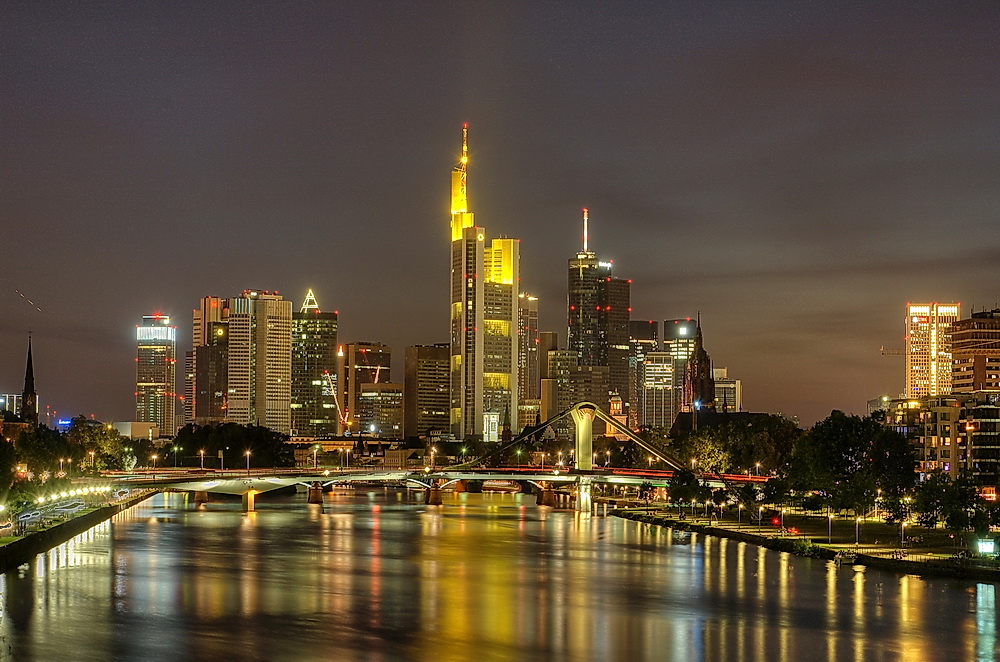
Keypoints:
pixel 760 517
pixel 175 449
pixel 607 458
pixel 61 465
pixel 93 465
pixel 247 453
pixel 201 457
pixel 739 515
pixel 857 531
pixel 315 457
pixel 902 534
pixel 153 458
pixel 347 458
pixel 829 528
pixel 758 468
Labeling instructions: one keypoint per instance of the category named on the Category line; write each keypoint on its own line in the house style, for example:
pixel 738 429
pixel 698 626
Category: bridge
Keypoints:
pixel 579 479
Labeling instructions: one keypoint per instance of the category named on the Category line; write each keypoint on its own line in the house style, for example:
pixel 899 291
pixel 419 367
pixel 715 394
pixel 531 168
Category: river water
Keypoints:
pixel 378 576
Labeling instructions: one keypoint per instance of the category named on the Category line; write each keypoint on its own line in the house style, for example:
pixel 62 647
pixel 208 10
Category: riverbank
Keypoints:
pixel 23 549
pixel 877 555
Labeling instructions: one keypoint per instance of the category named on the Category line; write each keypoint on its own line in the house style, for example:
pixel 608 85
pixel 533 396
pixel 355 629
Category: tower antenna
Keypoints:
pixel 586 218
pixel 464 163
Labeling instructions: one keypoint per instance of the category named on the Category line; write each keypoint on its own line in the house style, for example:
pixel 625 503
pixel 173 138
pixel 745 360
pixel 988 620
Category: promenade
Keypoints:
pixel 907 548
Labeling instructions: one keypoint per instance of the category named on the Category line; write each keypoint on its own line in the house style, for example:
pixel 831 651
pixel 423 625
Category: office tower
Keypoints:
pixel 155 373
pixel 679 342
pixel 660 397
pixel 598 313
pixel 28 409
pixel 643 338
pixel 547 341
pixel 527 357
pixel 314 369
pixel 928 348
pixel 211 383
pixel 359 363
pixel 699 382
pixel 204 327
pixel 728 391
pixel 260 360
pixel 975 353
pixel 380 410
pixel 484 317
pixel 425 390
pixel 567 383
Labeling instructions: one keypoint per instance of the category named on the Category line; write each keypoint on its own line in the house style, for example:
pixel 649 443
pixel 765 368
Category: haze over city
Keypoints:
pixel 794 172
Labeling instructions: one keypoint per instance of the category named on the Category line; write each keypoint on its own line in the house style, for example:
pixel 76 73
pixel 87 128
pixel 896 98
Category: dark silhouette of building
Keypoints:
pixel 29 399
pixel 699 381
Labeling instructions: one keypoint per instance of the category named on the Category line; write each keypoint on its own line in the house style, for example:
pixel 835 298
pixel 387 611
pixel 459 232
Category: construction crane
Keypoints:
pixel 332 385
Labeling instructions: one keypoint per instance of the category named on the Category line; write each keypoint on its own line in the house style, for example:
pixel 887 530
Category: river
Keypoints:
pixel 378 576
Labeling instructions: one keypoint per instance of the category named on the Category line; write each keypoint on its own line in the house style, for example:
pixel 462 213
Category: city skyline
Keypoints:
pixel 796 174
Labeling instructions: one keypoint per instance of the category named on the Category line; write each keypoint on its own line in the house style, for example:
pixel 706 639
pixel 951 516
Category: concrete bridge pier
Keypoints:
pixel 547 497
pixel 433 495
pixel 460 486
pixel 316 493
pixel 584 502
pixel 248 499
pixel 200 498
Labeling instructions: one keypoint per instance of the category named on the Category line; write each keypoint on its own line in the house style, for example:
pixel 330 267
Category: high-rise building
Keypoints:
pixel 660 398
pixel 547 341
pixel 426 390
pixel 205 331
pixel 484 317
pixel 211 379
pixel 260 360
pixel 679 342
pixel 728 391
pixel 360 363
pixel 598 313
pixel 380 410
pixel 568 383
pixel 156 373
pixel 975 353
pixel 528 381
pixel 928 348
pixel 314 370
pixel 28 407
pixel 644 337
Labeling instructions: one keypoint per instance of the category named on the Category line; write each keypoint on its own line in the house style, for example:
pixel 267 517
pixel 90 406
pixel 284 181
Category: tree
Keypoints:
pixel 267 448
pixel 851 458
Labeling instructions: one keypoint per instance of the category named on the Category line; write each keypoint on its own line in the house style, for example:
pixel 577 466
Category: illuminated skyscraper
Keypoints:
pixel 679 338
pixel 928 348
pixel 598 314
pixel 314 369
pixel 484 318
pixel 155 373
pixel 206 331
pixel 527 359
pixel 260 360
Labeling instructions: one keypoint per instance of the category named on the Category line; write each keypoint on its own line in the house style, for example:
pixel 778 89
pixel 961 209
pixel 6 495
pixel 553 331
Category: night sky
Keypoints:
pixel 795 171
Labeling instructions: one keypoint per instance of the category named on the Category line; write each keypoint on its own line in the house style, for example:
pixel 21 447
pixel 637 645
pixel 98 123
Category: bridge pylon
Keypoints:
pixel 583 418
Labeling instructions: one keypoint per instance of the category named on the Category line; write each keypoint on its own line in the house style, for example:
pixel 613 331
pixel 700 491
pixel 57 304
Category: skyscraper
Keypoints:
pixel 644 337
pixel 728 391
pixel 260 360
pixel 425 389
pixel 928 348
pixel 205 330
pixel 361 363
pixel 527 356
pixel 598 313
pixel 484 317
pixel 679 342
pixel 155 373
pixel 975 353
pixel 314 369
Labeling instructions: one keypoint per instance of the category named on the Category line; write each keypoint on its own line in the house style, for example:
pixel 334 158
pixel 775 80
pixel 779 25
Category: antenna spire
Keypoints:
pixel 586 219
pixel 309 303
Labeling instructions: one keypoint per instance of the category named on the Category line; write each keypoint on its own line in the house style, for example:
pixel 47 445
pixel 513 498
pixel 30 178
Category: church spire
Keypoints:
pixel 29 400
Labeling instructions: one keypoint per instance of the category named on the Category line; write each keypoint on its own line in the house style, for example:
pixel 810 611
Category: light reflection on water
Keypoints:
pixel 377 576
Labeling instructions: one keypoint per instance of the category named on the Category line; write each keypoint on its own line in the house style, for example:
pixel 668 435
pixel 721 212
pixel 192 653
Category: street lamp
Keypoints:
pixel 92 463
pixel 247 453
pixel 517 452
pixel 739 515
pixel 760 516
pixel 201 457
pixel 758 468
pixel 829 528
pixel 151 457
pixel 607 458
pixel 175 449
pixel 315 460
pixel 347 458
pixel 857 531
pixel 61 465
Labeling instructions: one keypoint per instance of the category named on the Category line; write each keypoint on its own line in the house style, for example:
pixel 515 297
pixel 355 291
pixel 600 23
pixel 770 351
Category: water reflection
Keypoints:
pixel 377 575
